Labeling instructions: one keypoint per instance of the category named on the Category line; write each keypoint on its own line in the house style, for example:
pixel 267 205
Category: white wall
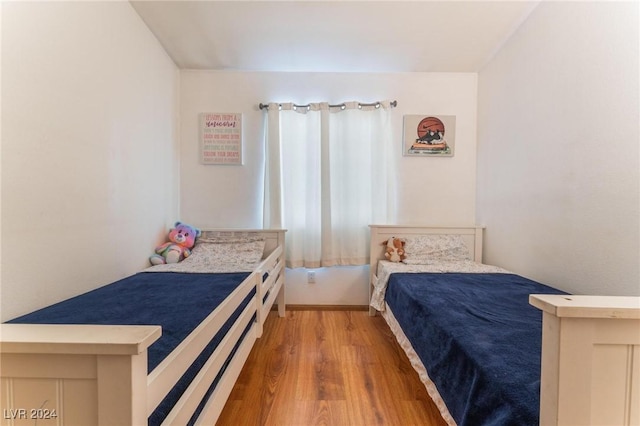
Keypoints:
pixel 430 190
pixel 89 148
pixel 558 156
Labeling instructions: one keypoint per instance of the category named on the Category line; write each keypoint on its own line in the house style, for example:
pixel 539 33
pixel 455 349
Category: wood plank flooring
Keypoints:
pixel 328 368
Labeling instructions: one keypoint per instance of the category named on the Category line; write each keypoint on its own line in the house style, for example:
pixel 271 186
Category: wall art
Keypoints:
pixel 429 135
pixel 221 138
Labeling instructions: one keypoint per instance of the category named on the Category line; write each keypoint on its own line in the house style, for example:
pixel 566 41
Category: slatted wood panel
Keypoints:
pixel 328 368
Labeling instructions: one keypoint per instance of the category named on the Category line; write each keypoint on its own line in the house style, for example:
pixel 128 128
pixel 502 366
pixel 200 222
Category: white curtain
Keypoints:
pixel 327 178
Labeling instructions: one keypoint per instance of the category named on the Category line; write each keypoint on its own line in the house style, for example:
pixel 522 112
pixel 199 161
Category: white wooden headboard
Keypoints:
pixel 472 236
pixel 273 237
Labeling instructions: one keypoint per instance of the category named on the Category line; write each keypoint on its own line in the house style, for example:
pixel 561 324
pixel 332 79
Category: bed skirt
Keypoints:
pixel 417 365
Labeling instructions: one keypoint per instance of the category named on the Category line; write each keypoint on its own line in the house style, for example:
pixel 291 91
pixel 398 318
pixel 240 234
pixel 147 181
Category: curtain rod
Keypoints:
pixel 375 104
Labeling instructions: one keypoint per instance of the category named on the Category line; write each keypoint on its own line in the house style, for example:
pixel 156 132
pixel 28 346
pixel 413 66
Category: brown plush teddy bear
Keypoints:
pixel 395 249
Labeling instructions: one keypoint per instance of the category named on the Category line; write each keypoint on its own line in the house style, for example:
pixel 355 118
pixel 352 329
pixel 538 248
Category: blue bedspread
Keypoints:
pixel 176 301
pixel 479 340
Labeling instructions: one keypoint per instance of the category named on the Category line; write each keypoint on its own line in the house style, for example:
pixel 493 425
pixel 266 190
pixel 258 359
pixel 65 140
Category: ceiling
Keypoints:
pixel 333 36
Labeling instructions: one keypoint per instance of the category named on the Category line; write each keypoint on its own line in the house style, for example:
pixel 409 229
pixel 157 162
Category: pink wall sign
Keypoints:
pixel 221 138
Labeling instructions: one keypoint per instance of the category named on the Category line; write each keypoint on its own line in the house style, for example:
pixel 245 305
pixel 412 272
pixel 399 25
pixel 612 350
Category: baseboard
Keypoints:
pixel 325 307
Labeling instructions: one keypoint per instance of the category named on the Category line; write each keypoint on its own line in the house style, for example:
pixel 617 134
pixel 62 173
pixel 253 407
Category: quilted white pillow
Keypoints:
pixel 424 249
pixel 232 250
pixel 215 237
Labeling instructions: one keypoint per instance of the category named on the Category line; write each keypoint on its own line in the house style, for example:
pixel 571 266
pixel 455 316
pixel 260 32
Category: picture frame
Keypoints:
pixel 221 138
pixel 429 135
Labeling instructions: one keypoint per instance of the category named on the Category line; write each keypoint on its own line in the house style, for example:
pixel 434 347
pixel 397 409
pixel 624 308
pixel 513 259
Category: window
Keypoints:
pixel 327 179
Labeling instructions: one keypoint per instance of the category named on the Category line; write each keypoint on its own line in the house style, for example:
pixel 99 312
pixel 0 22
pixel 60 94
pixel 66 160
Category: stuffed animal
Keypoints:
pixel 395 249
pixel 182 238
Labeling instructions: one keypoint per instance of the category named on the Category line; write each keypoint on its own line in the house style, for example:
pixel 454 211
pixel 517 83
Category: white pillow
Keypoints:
pixel 232 251
pixel 428 248
pixel 215 237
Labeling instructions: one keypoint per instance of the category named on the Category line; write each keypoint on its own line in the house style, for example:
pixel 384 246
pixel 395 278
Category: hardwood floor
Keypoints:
pixel 328 368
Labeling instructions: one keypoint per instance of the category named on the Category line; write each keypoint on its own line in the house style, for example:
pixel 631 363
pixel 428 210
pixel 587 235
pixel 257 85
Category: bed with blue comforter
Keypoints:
pixel 210 309
pixel 178 302
pixel 467 327
pixel 478 338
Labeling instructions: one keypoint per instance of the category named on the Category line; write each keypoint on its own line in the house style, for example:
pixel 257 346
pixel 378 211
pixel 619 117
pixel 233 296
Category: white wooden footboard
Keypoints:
pixel 74 374
pixel 590 360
